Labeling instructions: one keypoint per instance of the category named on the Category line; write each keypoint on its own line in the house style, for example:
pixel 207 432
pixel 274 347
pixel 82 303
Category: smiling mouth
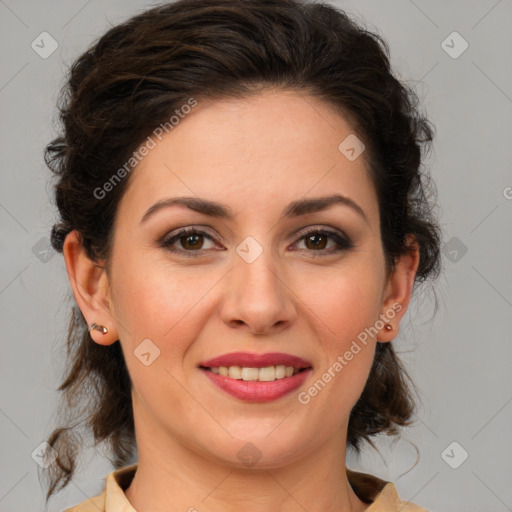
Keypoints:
pixel 264 374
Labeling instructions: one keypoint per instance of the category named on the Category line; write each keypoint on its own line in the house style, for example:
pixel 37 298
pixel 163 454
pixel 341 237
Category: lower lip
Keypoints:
pixel 256 391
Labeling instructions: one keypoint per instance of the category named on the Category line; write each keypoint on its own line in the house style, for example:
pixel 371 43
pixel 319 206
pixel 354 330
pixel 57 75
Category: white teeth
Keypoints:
pixel 250 373
pixel 235 372
pixel 280 371
pixel 266 374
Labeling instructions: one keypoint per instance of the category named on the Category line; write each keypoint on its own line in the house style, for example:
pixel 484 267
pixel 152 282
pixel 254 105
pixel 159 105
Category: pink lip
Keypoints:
pixel 255 391
pixel 251 360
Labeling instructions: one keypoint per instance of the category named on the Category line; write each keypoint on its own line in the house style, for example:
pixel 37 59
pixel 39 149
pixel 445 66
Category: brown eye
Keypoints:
pixel 316 241
pixel 190 240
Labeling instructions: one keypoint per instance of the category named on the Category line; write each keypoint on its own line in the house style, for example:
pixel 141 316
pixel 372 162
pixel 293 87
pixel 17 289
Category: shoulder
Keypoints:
pixel 113 497
pixel 388 500
pixel 382 496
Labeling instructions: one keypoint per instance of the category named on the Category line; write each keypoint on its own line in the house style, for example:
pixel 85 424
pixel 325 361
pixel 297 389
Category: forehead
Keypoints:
pixel 256 155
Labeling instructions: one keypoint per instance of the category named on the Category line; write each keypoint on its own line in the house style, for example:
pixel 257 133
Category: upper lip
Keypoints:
pixel 252 360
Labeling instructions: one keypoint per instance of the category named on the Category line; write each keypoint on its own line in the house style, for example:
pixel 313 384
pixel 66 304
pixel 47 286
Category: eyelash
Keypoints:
pixel 344 244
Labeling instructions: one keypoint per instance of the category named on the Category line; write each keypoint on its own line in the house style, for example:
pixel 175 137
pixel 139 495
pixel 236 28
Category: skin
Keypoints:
pixel 256 156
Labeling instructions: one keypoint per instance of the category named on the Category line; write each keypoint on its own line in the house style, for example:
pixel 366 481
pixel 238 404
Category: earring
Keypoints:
pixel 97 327
pixel 388 327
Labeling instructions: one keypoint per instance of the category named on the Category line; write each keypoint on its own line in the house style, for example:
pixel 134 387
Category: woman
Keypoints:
pixel 243 219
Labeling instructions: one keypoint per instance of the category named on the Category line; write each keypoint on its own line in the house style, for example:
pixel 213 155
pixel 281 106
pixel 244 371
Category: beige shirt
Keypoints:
pixel 382 495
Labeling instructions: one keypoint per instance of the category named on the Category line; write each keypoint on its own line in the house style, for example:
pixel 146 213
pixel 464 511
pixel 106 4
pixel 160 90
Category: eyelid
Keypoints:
pixel 320 228
pixel 178 233
pixel 343 241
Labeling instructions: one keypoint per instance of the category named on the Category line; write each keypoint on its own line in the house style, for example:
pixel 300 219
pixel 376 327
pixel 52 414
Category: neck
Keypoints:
pixel 171 476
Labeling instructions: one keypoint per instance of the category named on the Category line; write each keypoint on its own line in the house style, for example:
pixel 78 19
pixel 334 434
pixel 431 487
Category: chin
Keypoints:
pixel 259 451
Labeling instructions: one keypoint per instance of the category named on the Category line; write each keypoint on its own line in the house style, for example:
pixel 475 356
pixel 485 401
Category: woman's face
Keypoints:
pixel 252 282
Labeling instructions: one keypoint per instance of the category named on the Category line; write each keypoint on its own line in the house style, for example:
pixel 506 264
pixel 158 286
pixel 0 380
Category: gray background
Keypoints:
pixel 460 358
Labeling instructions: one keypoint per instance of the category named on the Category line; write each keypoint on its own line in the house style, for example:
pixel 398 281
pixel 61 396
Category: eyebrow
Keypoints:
pixel 294 209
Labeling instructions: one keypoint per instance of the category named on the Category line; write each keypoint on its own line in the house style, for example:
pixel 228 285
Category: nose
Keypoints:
pixel 257 296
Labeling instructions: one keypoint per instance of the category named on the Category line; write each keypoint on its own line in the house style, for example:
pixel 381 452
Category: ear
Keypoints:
pixel 398 290
pixel 90 285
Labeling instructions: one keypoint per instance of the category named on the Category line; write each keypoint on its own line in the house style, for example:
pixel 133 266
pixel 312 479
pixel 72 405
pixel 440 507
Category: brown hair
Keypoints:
pixel 135 77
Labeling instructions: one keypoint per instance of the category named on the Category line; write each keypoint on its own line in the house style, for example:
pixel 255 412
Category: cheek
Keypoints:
pixel 153 299
pixel 345 304
pixel 157 304
pixel 345 311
